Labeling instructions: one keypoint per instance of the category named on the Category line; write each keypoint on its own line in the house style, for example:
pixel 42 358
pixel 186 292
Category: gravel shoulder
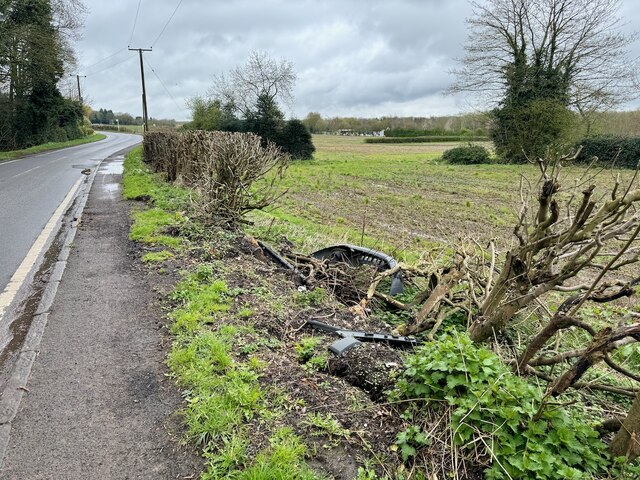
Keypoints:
pixel 98 403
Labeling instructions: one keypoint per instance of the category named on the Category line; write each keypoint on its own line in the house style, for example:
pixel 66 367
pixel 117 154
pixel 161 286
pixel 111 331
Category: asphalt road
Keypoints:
pixel 32 188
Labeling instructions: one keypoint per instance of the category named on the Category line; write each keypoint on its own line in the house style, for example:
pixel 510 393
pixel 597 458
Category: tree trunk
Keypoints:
pixel 499 308
pixel 627 440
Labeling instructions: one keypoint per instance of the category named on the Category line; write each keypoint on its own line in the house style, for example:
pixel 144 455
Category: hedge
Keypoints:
pixel 430 139
pixel 624 150
pixel 468 155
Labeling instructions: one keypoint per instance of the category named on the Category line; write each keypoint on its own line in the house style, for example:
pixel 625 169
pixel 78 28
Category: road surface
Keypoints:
pixel 32 188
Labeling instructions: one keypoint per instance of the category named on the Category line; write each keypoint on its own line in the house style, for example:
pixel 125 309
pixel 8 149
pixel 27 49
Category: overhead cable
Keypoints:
pixel 166 24
pixel 135 21
pixel 165 87
pixel 108 67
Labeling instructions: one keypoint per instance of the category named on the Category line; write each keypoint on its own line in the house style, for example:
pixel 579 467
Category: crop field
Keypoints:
pixel 401 199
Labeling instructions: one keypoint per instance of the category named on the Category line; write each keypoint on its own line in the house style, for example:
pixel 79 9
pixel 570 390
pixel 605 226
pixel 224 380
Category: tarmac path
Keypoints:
pixel 98 403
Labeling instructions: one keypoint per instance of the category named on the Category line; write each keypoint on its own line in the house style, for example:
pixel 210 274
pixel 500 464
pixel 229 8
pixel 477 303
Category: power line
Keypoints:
pixel 135 21
pixel 166 24
pixel 108 67
pixel 105 59
pixel 165 88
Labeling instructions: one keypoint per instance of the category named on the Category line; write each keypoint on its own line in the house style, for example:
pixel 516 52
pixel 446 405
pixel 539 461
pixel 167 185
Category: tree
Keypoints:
pixel 249 99
pixel 539 59
pixel 206 114
pixel 265 119
pixel 314 122
pixel 296 140
pixel 626 443
pixel 260 76
pixel 33 54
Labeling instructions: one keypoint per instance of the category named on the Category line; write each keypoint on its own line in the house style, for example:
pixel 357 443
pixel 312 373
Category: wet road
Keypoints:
pixel 32 188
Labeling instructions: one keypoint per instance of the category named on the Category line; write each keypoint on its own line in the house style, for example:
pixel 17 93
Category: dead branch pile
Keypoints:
pixel 230 173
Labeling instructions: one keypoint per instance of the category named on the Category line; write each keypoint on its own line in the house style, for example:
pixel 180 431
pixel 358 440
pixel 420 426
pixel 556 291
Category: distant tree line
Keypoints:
pixel 472 123
pixel 34 56
pixel 247 101
pixel 103 116
pixel 625 123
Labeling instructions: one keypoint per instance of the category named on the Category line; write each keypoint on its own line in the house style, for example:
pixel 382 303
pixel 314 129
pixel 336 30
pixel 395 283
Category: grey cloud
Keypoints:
pixel 358 57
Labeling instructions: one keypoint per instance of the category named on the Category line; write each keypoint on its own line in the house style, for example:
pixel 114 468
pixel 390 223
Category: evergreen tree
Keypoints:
pixel 266 119
pixel 296 140
pixel 32 110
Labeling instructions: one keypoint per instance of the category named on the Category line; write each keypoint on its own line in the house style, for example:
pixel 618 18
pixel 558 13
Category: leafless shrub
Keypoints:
pixel 581 242
pixel 231 173
pixel 563 237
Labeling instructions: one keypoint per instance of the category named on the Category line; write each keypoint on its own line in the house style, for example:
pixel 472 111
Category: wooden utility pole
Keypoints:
pixel 145 118
pixel 79 92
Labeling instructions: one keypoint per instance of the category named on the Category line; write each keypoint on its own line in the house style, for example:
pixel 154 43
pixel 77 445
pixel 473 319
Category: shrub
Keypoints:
pixel 624 150
pixel 231 173
pixel 425 139
pixel 493 410
pixel 469 155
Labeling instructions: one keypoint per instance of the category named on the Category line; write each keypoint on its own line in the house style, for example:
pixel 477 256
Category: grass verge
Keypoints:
pixel 223 393
pixel 45 147
pixel 237 329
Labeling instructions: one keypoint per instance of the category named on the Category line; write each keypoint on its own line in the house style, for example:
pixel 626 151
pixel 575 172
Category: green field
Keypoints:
pixel 50 146
pixel 407 199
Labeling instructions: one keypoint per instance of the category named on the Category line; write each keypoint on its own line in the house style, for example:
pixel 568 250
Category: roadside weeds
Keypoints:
pixel 258 399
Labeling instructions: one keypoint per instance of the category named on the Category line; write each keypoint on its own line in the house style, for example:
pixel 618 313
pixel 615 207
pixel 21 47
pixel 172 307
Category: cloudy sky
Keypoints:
pixel 353 57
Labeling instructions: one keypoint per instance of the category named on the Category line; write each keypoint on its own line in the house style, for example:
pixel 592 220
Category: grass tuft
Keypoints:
pixel 157 257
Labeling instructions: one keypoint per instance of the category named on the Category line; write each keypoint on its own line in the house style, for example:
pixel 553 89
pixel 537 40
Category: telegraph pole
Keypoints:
pixel 79 92
pixel 145 118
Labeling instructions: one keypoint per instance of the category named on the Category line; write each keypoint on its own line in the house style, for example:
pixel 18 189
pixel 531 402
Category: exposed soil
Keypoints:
pixel 350 388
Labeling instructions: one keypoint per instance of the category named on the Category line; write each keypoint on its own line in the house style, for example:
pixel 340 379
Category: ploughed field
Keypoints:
pixel 401 198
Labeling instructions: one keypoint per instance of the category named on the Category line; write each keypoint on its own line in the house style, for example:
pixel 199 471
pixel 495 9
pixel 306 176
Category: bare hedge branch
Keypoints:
pixel 231 173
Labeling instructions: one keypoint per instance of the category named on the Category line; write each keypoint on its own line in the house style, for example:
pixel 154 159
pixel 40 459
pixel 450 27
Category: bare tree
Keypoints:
pixel 68 17
pixel 261 75
pixel 579 42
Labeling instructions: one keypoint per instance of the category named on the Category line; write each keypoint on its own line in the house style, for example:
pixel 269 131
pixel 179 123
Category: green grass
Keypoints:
pixel 401 199
pixel 325 425
pixel 140 184
pixel 157 257
pixel 150 225
pixel 45 147
pixel 222 394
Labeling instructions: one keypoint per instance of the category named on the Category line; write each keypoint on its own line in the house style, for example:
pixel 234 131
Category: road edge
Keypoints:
pixel 11 395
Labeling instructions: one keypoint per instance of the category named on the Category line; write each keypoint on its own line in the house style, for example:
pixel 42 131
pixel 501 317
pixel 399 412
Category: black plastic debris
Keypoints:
pixel 356 256
pixel 343 345
pixel 271 253
pixel 356 337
